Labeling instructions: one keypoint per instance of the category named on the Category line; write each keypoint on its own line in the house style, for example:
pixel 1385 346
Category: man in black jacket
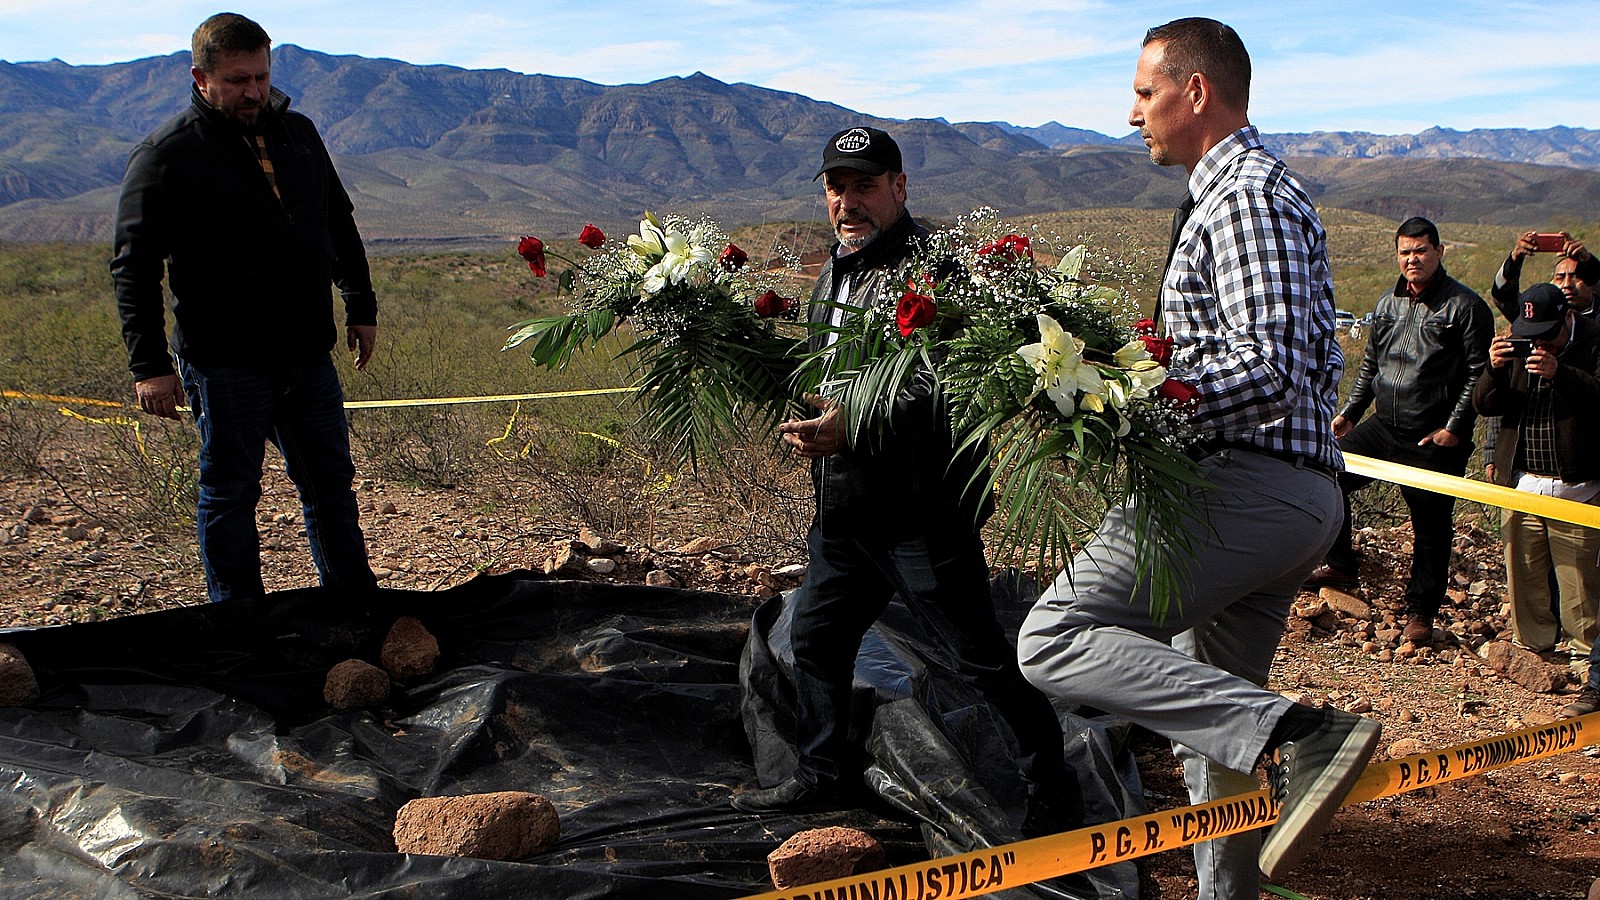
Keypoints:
pixel 237 203
pixel 894 515
pixel 1429 343
pixel 1546 393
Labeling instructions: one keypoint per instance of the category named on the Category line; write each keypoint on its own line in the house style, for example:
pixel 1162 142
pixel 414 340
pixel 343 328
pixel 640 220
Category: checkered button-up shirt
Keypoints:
pixel 1248 300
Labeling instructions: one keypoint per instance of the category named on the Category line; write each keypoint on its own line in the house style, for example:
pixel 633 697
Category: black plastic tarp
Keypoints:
pixel 190 753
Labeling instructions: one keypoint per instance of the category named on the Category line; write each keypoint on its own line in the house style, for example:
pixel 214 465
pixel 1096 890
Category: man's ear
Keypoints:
pixel 199 76
pixel 1198 90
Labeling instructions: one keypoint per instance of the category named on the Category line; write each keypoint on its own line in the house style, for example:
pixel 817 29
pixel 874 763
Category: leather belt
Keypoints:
pixel 1298 460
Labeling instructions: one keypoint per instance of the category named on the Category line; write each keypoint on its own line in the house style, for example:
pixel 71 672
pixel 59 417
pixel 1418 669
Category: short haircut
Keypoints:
pixel 1418 227
pixel 1210 48
pixel 224 34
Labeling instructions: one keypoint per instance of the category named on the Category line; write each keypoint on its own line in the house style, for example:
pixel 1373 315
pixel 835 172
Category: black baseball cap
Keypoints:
pixel 1541 310
pixel 864 149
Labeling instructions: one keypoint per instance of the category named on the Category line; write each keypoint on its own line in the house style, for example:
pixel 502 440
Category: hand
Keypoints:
pixel 816 437
pixel 1543 363
pixel 1500 354
pixel 1574 249
pixel 1342 426
pixel 360 340
pixel 1524 246
pixel 1444 437
pixel 161 395
pixel 1488 472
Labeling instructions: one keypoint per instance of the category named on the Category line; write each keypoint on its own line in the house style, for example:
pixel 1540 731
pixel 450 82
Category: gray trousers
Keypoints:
pixel 1196 677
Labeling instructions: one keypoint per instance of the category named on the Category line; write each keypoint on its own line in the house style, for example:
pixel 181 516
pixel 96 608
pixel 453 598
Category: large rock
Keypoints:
pixel 409 650
pixel 18 685
pixel 1345 604
pixel 505 825
pixel 822 854
pixel 355 684
pixel 1523 666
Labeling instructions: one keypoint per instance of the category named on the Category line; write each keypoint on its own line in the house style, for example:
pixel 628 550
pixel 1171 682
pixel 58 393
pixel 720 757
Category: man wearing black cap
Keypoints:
pixel 1542 382
pixel 893 516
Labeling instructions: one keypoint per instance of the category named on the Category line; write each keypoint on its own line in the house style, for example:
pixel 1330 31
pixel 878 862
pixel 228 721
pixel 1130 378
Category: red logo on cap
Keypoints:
pixel 1527 309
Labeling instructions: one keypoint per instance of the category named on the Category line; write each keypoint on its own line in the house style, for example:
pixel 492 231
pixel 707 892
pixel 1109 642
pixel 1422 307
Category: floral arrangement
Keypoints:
pixel 710 360
pixel 1059 377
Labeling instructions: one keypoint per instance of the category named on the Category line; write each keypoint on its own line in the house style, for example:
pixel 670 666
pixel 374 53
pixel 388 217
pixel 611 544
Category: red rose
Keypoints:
pixel 1145 326
pixel 1012 246
pixel 592 237
pixel 733 258
pixel 532 250
pixel 915 310
pixel 1179 392
pixel 1160 348
pixel 771 304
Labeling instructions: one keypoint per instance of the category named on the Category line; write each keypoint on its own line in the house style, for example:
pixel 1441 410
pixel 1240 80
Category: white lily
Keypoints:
pixel 1142 378
pixel 678 261
pixel 1132 352
pixel 1057 360
pixel 650 242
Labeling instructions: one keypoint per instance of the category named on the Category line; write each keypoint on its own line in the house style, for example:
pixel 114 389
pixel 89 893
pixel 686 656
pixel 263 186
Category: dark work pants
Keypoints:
pixel 943 578
pixel 1432 515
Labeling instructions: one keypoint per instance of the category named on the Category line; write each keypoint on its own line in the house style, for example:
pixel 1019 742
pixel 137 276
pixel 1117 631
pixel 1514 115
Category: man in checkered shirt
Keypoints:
pixel 1248 300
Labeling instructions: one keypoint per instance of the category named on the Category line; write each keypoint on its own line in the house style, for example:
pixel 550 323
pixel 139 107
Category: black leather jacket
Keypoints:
pixel 901 475
pixel 250 273
pixel 1423 358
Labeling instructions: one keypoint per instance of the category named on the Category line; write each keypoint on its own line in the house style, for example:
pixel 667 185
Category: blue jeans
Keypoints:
pixel 300 409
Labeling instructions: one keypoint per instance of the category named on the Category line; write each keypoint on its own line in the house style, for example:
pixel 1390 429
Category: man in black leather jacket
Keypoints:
pixel 1429 343
pixel 894 515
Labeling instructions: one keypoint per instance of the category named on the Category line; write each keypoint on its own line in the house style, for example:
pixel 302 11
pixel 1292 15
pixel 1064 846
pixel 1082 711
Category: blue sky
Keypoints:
pixel 1383 67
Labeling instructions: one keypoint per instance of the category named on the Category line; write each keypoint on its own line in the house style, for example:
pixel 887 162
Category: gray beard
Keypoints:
pixel 851 245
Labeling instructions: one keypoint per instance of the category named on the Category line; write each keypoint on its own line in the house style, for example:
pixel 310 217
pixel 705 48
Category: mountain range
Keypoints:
pixel 442 153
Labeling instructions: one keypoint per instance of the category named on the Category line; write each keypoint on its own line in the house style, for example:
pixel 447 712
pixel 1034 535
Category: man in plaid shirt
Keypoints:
pixel 1248 300
pixel 1545 393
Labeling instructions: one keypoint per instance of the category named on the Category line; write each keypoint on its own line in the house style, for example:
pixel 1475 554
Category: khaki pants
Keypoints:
pixel 1533 545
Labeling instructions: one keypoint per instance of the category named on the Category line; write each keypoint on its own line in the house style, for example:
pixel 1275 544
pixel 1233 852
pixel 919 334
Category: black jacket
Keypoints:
pixel 1423 356
pixel 1504 393
pixel 249 274
pixel 902 474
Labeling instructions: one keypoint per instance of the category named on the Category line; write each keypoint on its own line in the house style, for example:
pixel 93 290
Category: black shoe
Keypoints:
pixel 1588 701
pixel 790 797
pixel 1327 576
pixel 1309 777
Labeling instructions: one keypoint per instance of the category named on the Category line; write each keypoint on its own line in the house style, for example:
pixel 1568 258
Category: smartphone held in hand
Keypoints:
pixel 1549 242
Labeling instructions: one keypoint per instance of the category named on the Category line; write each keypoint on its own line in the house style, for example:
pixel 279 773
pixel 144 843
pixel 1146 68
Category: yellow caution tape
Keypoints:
pixel 354 404
pixel 1465 488
pixel 53 398
pixel 981 872
pixel 496 398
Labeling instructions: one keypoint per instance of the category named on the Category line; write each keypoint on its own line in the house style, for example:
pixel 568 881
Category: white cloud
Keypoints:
pixel 1357 66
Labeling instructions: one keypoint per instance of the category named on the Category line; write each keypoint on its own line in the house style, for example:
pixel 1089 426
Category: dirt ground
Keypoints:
pixel 1515 834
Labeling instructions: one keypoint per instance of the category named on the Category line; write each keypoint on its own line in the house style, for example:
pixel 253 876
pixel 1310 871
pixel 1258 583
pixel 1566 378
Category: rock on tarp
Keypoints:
pixel 190 753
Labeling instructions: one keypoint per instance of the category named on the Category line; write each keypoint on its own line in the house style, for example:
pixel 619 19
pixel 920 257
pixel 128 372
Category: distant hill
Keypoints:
pixel 439 152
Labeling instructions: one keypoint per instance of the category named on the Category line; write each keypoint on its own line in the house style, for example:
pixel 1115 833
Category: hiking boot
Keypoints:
pixel 1418 630
pixel 1327 576
pixel 1308 779
pixel 1588 701
pixel 790 797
